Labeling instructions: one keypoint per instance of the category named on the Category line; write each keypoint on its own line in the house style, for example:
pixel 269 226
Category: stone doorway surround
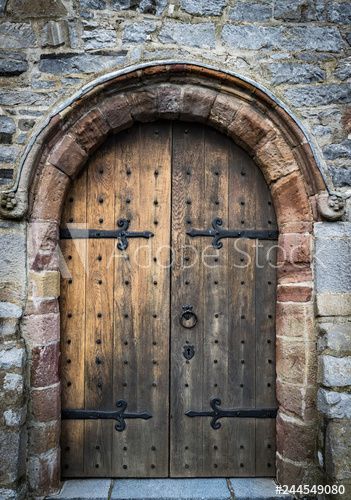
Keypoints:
pixel 268 132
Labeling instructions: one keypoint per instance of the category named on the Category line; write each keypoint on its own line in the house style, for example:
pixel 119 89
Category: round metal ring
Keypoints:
pixel 188 319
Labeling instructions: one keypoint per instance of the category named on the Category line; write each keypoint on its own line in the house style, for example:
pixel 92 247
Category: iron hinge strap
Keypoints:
pixel 218 413
pixel 121 234
pixel 218 233
pixel 119 415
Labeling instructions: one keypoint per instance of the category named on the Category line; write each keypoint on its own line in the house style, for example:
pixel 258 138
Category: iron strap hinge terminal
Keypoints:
pixel 121 234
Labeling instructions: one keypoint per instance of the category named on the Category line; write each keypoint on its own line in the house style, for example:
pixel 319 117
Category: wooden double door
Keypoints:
pixel 168 335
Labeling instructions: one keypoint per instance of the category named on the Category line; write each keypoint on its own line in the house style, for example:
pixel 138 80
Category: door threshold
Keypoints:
pixel 170 489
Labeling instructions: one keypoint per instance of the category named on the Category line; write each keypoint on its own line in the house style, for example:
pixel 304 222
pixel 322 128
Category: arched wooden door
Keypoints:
pixel 168 336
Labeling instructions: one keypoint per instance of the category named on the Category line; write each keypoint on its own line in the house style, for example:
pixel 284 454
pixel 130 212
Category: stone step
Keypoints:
pixel 170 489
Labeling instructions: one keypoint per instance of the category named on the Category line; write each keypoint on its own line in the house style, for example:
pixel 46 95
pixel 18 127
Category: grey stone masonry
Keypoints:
pixel 333 257
pixel 335 371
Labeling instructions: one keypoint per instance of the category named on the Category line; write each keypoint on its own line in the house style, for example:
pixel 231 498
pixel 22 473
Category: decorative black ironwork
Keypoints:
pixel 217 233
pixel 188 318
pixel 218 413
pixel 188 351
pixel 120 415
pixel 121 234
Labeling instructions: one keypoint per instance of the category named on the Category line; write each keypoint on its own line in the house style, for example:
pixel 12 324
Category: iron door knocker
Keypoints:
pixel 188 318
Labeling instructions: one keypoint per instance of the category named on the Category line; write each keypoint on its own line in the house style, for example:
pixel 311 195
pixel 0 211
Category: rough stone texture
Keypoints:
pixel 36 8
pixel 321 95
pixel 16 35
pixel 333 256
pixel 12 63
pixel 338 450
pixel 295 73
pixel 204 7
pixel 336 337
pixel 295 320
pixel 334 404
pixel 251 11
pixel 80 63
pixel 335 372
pixel 333 304
pixel 7 129
pixel 54 34
pixel 194 35
pixel 292 38
pixel 138 32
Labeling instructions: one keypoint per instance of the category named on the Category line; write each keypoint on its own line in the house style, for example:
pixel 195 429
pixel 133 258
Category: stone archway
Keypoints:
pixel 271 136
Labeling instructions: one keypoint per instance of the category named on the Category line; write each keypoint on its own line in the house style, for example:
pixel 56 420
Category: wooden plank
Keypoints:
pixel 72 309
pixel 99 313
pixel 216 321
pixel 187 288
pixel 142 307
pixel 265 357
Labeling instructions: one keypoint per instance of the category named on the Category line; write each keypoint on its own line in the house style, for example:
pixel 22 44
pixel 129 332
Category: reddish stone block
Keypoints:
pixel 290 361
pixel 223 111
pixel 295 320
pixel 295 440
pixel 196 103
pixel 46 404
pixel 290 199
pixel 297 473
pixel 274 156
pixel 116 110
pixel 298 400
pixel 91 130
pixel 43 437
pixel 296 227
pixel 44 473
pixel 169 98
pixel 144 104
pixel 294 273
pixel 45 364
pixel 42 245
pixel 52 189
pixel 41 329
pixel 41 306
pixel 249 127
pixel 294 248
pixel 68 156
pixel 294 293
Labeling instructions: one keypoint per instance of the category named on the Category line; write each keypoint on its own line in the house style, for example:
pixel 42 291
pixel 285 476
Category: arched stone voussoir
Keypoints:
pixel 51 189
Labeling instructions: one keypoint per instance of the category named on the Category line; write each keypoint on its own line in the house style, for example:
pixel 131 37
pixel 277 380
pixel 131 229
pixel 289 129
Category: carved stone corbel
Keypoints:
pixel 331 206
pixel 13 204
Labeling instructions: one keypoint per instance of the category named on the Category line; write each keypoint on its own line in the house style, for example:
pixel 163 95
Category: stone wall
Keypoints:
pixel 298 49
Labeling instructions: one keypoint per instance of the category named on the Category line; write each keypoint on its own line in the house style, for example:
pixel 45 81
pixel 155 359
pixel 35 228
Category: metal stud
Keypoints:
pixel 156 173
pixel 188 202
pixel 97 447
pixel 155 202
pixel 101 220
pixel 98 341
pixel 129 171
pixel 70 219
pixel 128 200
pixel 69 384
pixel 101 200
